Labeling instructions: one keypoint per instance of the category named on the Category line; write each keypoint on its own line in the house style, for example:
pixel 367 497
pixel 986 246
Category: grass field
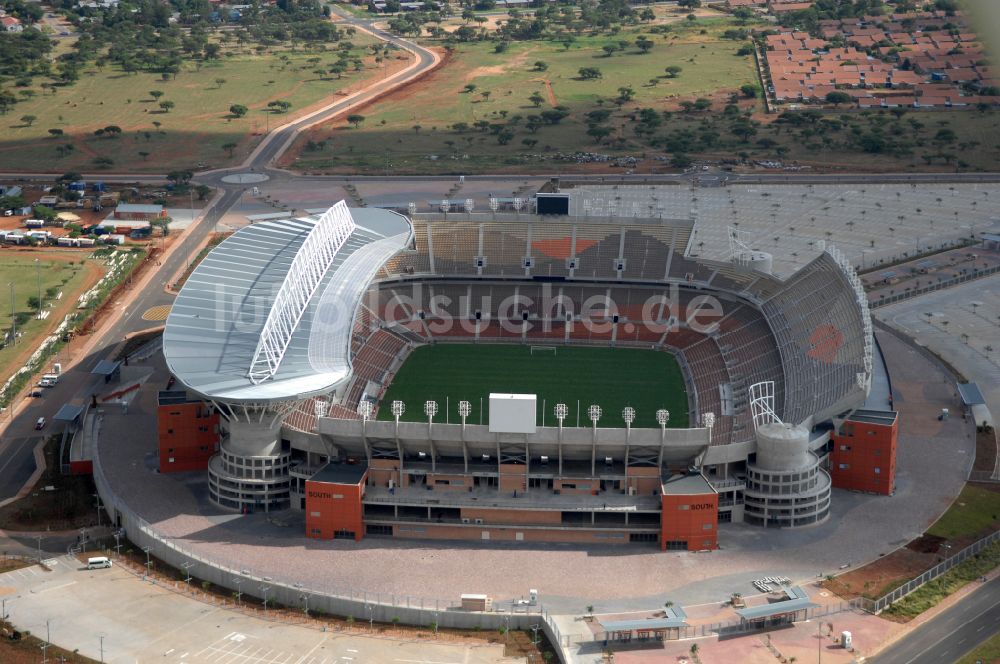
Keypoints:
pixel 975 510
pixel 988 652
pixel 933 592
pixel 413 130
pixel 194 131
pixel 610 377
pixel 63 271
pixel 710 68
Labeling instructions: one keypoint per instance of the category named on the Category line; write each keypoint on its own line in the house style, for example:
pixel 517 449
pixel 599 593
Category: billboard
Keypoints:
pixel 512 413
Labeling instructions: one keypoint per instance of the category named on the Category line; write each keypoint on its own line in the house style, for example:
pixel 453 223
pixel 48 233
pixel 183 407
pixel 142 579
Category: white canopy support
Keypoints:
pixel 308 268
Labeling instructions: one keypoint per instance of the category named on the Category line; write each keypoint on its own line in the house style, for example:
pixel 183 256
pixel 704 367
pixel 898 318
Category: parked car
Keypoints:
pixel 35 393
pixel 40 424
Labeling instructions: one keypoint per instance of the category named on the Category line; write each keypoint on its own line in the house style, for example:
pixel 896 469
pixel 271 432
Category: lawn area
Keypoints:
pixel 64 272
pixel 988 652
pixel 610 377
pixel 975 510
pixel 194 131
pixel 932 592
pixel 411 126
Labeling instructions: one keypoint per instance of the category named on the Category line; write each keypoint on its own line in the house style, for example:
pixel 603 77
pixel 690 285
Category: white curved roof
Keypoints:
pixel 213 332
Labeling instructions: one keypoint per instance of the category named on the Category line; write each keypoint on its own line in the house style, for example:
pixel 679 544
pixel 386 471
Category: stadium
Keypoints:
pixel 536 378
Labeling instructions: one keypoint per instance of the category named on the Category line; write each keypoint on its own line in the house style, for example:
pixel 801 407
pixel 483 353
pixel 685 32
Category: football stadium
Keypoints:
pixel 536 378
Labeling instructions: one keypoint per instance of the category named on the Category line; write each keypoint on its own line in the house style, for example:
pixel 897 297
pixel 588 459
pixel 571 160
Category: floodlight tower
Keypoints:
pixel 662 417
pixel 430 410
pixel 594 413
pixel 411 208
pixel 397 409
pixel 708 421
pixel 445 205
pixel 628 414
pixel 470 204
pixel 561 411
pixel 365 411
pixel 518 204
pixel 494 205
pixel 464 410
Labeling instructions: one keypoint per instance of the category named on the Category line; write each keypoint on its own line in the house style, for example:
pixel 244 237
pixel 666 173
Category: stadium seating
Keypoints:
pixel 770 330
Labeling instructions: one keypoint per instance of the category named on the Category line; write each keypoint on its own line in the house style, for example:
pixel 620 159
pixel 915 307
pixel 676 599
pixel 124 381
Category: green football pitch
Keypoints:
pixel 612 378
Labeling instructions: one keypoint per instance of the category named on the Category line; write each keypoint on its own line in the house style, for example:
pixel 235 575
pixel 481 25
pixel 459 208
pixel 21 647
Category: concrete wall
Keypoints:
pixel 254 439
pixel 680 445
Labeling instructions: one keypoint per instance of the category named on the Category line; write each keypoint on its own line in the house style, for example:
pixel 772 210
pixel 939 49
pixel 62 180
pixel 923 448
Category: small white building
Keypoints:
pixel 11 24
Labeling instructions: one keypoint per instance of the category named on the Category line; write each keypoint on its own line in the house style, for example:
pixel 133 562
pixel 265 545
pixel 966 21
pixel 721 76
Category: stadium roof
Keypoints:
pixel 267 315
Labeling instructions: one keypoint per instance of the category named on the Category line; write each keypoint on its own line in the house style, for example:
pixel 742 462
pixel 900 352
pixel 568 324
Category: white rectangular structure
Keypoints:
pixel 512 413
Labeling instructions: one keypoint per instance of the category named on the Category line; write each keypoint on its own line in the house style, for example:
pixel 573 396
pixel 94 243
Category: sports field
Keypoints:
pixel 609 377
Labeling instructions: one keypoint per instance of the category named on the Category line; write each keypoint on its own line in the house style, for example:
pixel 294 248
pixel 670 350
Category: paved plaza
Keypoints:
pixel 143 622
pixel 962 325
pixel 934 459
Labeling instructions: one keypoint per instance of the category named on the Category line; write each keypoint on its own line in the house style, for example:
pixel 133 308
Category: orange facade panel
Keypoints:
pixel 188 436
pixel 333 506
pixel 864 456
pixel 691 520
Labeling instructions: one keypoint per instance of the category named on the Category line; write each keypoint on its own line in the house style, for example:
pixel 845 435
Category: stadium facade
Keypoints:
pixel 293 330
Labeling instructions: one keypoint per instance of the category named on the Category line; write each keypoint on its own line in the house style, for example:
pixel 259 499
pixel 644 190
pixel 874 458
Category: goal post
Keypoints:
pixel 543 349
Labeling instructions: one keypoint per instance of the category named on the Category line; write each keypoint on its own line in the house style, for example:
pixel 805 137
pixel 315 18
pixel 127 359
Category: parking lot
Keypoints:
pixel 142 622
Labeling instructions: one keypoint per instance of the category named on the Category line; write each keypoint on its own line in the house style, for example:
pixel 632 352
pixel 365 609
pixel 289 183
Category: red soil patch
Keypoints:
pixel 560 247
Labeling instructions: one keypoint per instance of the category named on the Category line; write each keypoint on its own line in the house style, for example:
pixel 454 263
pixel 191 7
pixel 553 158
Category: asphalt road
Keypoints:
pixel 952 634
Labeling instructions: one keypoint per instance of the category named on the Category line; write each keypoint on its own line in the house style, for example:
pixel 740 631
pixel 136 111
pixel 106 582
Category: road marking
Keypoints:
pixel 168 652
pixel 45 590
pixel 311 651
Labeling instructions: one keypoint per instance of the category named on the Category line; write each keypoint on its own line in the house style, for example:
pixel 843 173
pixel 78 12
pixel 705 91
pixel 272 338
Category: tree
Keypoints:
pixel 156 94
pixel 540 65
pixel 681 160
pixel 590 73
pixel 7 100
pixel 144 155
pixel 28 119
pixel 609 49
pixel 238 110
pixel 416 129
pixel 469 88
pixel 230 147
pixel 355 119
pixel 55 132
pixel 536 98
pixel 749 90
pixel 644 43
pixel 689 4
pixel 219 82
pixel 598 133
pixel 166 106
pixel 673 70
pixel 837 98
pixel 180 177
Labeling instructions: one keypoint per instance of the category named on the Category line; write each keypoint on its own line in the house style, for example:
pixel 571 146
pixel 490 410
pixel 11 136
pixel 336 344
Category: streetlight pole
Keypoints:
pixel 13 318
pixel 39 538
pixel 239 591
pixel 264 590
pixel 38 278
pixel 101 637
